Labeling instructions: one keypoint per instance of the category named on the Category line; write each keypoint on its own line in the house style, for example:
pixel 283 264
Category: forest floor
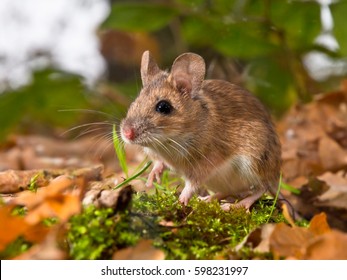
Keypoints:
pixel 58 200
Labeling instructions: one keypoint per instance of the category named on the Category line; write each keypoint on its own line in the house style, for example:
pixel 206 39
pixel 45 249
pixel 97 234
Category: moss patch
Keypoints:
pixel 199 231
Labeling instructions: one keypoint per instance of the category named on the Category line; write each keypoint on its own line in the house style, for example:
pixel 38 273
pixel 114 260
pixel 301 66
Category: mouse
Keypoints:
pixel 214 134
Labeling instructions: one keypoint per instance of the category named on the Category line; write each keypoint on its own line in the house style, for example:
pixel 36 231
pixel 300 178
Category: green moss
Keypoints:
pixel 51 221
pixel 15 248
pixel 33 182
pixel 97 233
pixel 198 231
pixel 201 230
pixel 19 211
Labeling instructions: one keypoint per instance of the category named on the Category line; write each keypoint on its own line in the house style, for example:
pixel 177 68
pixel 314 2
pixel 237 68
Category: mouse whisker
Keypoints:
pixel 101 137
pixel 86 125
pixel 89 131
pixel 90 111
pixel 106 148
pixel 194 148
pixel 162 145
pixel 184 152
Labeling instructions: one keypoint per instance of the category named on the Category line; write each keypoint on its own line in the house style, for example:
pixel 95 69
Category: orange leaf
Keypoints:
pixel 319 224
pixel 65 206
pixel 10 226
pixel 329 246
pixel 286 241
pixel 56 186
pixel 287 216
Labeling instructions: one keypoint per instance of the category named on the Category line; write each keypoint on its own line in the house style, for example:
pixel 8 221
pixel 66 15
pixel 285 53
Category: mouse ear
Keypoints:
pixel 149 68
pixel 188 73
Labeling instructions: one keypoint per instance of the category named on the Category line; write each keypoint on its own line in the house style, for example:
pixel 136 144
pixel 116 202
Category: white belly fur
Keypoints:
pixel 234 178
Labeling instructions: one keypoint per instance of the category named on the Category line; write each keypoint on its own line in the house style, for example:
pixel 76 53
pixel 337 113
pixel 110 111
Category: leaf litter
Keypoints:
pixel 50 181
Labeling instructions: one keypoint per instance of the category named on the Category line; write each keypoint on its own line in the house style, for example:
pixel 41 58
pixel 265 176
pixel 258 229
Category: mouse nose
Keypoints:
pixel 129 132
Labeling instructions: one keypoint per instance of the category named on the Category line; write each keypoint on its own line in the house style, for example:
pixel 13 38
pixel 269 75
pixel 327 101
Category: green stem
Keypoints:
pixel 126 181
pixel 276 198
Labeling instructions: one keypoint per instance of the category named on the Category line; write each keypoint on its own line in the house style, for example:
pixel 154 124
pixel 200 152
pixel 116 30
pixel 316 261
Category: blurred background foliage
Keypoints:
pixel 259 44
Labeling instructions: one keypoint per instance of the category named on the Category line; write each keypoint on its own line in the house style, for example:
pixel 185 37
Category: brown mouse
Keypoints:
pixel 215 134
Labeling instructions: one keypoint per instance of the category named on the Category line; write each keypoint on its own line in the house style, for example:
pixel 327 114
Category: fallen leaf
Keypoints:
pixel 102 194
pixel 287 215
pixel 314 136
pixel 10 226
pixel 10 159
pixel 318 241
pixel 32 199
pixel 286 241
pixel 330 246
pixel 59 206
pixel 46 250
pixel 319 224
pixel 336 196
pixel 264 244
pixel 332 156
pixel 12 181
pixel 144 250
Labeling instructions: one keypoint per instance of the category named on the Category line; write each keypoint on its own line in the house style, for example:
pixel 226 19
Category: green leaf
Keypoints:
pixel 191 3
pixel 199 31
pixel 139 16
pixel 269 79
pixel 299 19
pixel 339 12
pixel 119 148
pixel 235 39
pixel 40 101
pixel 244 40
pixel 290 188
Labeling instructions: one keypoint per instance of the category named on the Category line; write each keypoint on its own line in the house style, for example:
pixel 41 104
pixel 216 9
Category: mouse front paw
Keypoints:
pixel 184 198
pixel 187 193
pixel 155 174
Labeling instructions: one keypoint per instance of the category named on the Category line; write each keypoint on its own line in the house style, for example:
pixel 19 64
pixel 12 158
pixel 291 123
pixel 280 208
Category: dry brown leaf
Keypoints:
pixel 262 245
pixel 10 226
pixel 31 199
pixel 336 196
pixel 12 181
pixel 59 206
pixel 289 242
pixel 50 201
pixel 313 136
pixel 298 182
pixel 10 159
pixel 36 233
pixel 144 250
pixel 316 242
pixel 65 206
pixel 319 224
pixel 47 202
pixel 46 250
pixel 14 226
pixel 331 154
pixel 39 152
pixel 329 246
pixel 287 215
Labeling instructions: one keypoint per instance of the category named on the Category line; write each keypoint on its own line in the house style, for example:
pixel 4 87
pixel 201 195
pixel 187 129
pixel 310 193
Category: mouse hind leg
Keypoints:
pixel 216 196
pixel 246 203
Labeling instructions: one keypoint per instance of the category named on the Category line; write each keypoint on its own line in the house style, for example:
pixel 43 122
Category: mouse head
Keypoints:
pixel 168 106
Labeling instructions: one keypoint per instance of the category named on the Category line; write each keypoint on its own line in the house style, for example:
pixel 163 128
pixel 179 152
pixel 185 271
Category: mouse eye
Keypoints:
pixel 163 107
